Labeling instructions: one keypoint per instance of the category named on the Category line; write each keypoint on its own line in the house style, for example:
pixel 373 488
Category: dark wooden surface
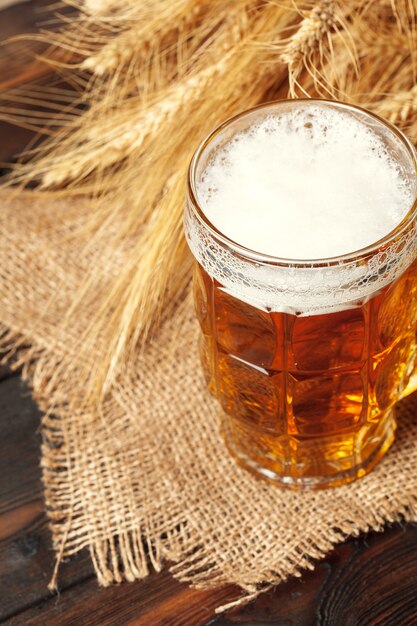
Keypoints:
pixel 368 581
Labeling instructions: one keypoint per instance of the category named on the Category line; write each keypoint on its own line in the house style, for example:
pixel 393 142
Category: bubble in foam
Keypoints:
pixel 306 184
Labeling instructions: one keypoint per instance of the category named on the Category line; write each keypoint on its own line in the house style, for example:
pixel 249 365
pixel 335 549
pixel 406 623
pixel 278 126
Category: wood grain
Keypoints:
pixel 17 58
pixel 369 581
pixel 26 556
pixel 20 63
pixel 364 582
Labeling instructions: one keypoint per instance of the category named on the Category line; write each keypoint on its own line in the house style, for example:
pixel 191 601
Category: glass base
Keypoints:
pixel 295 475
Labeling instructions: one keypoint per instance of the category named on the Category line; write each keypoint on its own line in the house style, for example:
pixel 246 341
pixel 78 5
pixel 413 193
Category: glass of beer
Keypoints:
pixel 302 218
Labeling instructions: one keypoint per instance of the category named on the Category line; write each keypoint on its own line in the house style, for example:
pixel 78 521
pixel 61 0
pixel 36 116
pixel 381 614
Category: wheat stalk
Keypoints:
pixel 114 134
pixel 149 102
pixel 99 7
pixel 130 136
pixel 316 24
pixel 398 107
pixel 110 8
pixel 130 318
pixel 139 38
pixel 322 46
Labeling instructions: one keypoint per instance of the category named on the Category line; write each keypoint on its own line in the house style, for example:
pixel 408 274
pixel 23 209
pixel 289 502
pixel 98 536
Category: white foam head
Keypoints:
pixel 307 184
pixel 310 181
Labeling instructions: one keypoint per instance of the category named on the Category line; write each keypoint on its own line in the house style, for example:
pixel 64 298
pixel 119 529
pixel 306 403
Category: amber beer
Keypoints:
pixel 307 354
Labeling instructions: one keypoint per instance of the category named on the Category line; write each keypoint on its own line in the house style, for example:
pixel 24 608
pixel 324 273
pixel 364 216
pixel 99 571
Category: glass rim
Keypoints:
pixel 248 253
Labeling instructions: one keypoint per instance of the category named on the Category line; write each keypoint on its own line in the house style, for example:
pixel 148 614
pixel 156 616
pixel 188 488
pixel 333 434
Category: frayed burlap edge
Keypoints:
pixel 146 478
pixel 132 554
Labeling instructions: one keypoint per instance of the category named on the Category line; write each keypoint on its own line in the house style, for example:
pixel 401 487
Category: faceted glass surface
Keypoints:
pixel 308 398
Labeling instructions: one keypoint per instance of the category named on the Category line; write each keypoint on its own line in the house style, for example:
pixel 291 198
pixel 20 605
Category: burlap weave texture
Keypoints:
pixel 148 478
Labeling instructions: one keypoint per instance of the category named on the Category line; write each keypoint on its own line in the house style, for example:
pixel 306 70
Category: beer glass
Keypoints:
pixel 307 358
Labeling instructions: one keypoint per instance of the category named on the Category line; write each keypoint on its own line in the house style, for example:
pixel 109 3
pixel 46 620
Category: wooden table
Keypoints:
pixel 367 581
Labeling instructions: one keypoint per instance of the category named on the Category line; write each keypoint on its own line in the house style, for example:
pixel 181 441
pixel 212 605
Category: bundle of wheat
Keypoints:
pixel 152 79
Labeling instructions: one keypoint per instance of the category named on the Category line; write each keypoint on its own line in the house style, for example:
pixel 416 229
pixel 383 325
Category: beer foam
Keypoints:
pixel 310 183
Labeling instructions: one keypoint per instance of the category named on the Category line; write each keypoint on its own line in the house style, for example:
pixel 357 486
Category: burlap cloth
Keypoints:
pixel 149 478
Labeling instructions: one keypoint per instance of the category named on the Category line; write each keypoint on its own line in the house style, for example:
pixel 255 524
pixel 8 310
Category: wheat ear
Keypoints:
pixel 398 107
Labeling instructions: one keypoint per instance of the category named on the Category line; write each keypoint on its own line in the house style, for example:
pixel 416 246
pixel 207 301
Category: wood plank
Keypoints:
pixel 26 556
pixel 5 372
pixel 157 600
pixel 368 581
pixel 21 18
pixel 19 452
pixel 19 64
pixel 377 573
pixel 17 59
